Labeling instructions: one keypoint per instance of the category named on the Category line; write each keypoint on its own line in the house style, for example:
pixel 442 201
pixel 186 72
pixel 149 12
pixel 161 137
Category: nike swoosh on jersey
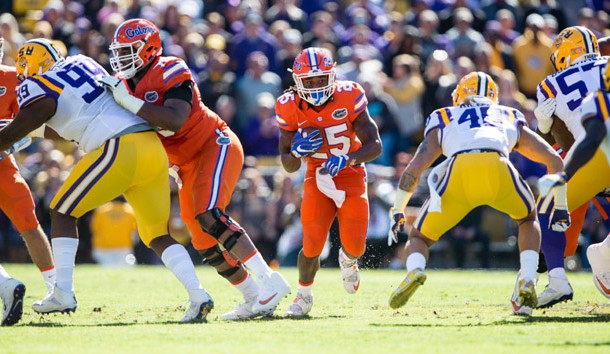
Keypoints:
pixel 301 123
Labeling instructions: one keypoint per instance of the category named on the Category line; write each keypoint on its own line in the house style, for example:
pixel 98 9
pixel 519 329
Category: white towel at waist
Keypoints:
pixel 434 179
pixel 327 186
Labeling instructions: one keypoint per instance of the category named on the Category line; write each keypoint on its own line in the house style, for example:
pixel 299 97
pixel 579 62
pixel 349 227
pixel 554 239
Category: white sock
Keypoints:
pixel 529 264
pixel 49 276
pixel 247 287
pixel 257 266
pixel 416 260
pixel 3 275
pixel 177 259
pixel 64 253
pixel 559 273
pixel 343 258
pixel 305 290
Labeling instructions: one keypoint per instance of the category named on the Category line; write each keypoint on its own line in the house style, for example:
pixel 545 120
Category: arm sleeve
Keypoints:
pixel 183 91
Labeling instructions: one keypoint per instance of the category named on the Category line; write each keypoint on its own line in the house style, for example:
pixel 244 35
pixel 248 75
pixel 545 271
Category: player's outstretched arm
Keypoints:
pixel 428 151
pixel 28 119
pixel 537 149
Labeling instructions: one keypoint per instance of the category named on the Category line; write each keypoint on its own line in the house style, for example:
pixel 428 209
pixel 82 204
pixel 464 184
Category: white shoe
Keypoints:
pixel 56 301
pixel 301 306
pixel 524 298
pixel 558 290
pixel 600 266
pixel 198 310
pixel 272 291
pixel 349 272
pixel 243 311
pixel 12 292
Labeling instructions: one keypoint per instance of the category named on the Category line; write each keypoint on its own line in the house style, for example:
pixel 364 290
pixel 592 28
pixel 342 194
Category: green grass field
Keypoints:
pixel 135 310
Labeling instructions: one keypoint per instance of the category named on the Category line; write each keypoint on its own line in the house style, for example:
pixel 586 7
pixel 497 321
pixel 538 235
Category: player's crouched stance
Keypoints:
pixel 477 136
pixel 123 156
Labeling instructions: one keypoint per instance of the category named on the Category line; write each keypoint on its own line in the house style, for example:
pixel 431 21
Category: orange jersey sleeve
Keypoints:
pixel 182 146
pixel 8 92
pixel 334 119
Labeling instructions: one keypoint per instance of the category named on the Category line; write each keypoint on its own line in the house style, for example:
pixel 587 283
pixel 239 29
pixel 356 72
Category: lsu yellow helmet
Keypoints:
pixel 573 43
pixel 475 84
pixel 35 57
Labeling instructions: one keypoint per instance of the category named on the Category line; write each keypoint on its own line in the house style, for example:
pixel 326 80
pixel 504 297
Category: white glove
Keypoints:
pixel 547 182
pixel 18 146
pixel 173 172
pixel 397 218
pixel 121 94
pixel 544 114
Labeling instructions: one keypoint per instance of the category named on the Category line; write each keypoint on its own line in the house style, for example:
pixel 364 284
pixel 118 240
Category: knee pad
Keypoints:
pixel 221 224
pixel 220 259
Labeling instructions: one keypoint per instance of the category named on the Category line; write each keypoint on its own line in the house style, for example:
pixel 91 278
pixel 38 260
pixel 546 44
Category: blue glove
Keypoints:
pixel 305 146
pixel 560 220
pixel 335 164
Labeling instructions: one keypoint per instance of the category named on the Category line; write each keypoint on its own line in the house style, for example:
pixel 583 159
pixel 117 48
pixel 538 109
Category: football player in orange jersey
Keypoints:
pixel 17 203
pixel 206 155
pixel 341 137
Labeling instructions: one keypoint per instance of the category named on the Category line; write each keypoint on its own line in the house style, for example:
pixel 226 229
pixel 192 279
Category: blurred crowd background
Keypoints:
pixel 407 54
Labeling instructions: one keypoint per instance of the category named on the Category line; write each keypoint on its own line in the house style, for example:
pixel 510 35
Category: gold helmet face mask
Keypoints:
pixel 476 84
pixel 571 44
pixel 35 57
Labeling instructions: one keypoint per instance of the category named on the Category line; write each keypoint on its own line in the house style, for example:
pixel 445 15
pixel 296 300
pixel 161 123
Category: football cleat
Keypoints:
pixel 600 266
pixel 301 306
pixel 524 298
pixel 349 272
pixel 558 290
pixel 12 292
pixel 271 292
pixel 198 310
pixel 243 311
pixel 407 288
pixel 56 301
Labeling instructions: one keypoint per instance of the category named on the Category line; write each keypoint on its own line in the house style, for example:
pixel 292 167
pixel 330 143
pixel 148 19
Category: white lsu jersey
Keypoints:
pixel 476 126
pixel 86 113
pixel 569 87
pixel 597 106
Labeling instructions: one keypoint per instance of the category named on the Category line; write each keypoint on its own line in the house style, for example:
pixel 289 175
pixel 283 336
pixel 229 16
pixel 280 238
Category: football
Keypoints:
pixel 308 130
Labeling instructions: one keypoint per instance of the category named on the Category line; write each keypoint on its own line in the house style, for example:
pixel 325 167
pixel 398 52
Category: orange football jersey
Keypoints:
pixel 335 120
pixel 164 74
pixel 8 93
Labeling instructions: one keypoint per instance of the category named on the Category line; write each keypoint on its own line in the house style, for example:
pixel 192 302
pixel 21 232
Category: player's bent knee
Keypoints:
pixel 226 266
pixel 220 226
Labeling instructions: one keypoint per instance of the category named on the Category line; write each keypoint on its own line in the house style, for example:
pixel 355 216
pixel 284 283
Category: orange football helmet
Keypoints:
pixel 136 43
pixel 310 63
